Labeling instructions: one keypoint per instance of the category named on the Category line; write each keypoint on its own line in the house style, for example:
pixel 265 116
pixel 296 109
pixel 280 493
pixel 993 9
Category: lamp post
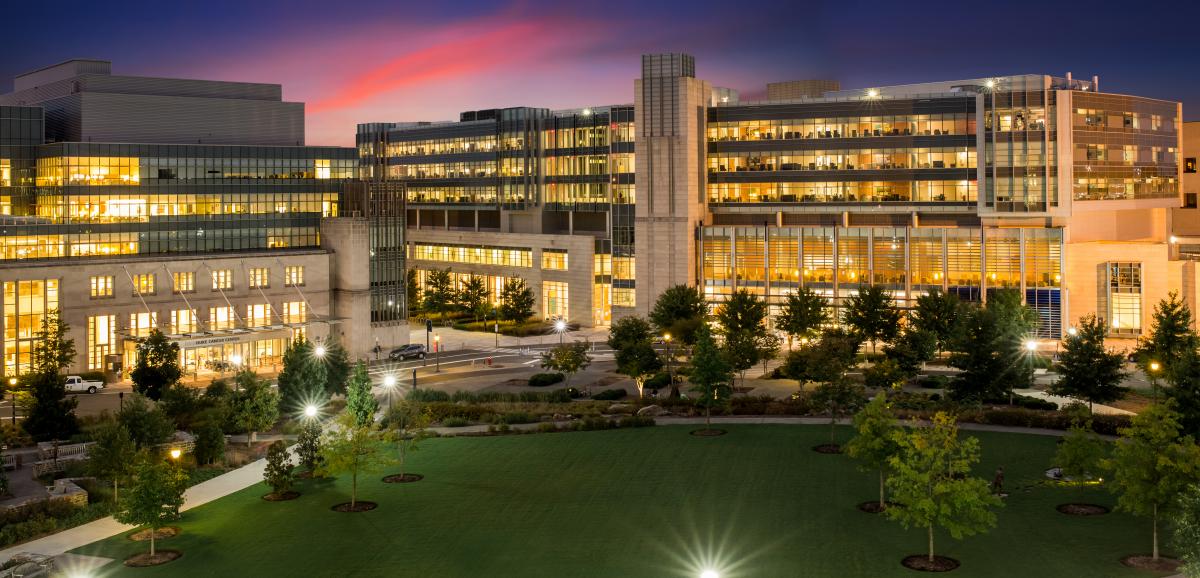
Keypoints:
pixel 389 383
pixel 1154 367
pixel 437 352
pixel 319 351
pixel 12 382
pixel 561 327
pixel 670 367
pixel 310 411
pixel 175 453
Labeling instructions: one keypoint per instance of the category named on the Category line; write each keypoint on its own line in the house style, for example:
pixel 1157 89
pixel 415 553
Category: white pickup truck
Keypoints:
pixel 76 384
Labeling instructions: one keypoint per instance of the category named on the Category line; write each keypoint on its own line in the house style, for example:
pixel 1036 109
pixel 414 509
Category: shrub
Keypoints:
pixel 547 427
pixel 456 421
pixel 516 417
pixel 427 395
pixel 658 381
pixel 40 518
pixel 636 421
pixel 610 394
pixel 934 382
pixel 1033 402
pixel 545 379
pixel 592 424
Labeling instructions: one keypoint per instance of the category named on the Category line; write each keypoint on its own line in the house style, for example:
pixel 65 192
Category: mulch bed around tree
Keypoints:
pixel 828 449
pixel 872 507
pixel 402 478
pixel 707 432
pixel 281 497
pixel 1144 562
pixel 162 533
pixel 922 563
pixel 359 506
pixel 143 559
pixel 1082 509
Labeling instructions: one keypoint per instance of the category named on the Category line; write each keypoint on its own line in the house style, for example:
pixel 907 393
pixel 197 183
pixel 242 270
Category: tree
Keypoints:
pixel 51 415
pixel 804 313
pixel 210 442
pixel 1170 335
pixel 148 426
pixel 639 361
pixel 839 397
pixel 742 312
pixel 875 443
pixel 885 375
pixel 157 366
pixel 474 297
pixel 939 313
pixel 1087 370
pixel 516 300
pixel 1183 376
pixel 710 375
pixel 52 350
pixel 155 495
pixel 826 360
pixel 360 402
pixel 183 405
pixel 628 331
pixel 767 345
pixel 412 290
pixel 679 311
pixel 278 472
pixel 872 313
pixel 1187 531
pixel 308 445
pixel 254 407
pixel 113 455
pixel 741 352
pixel 990 349
pixel 439 291
pixel 350 448
pixel 408 421
pixel 1081 452
pixel 302 380
pixel 1151 465
pixel 569 359
pixel 932 485
pixel 337 366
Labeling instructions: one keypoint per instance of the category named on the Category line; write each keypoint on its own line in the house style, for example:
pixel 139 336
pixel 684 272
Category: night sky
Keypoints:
pixel 397 60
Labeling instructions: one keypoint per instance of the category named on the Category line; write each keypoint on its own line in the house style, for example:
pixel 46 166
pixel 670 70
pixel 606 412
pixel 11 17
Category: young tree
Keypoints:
pixel 52 350
pixel 938 313
pixel 741 352
pixel 278 473
pixel 113 455
pixel 875 442
pixel 639 361
pixel 679 311
pixel 710 375
pixel 1184 380
pixel 989 349
pixel 1170 335
pixel 767 346
pixel 932 485
pixel 302 380
pixel 412 290
pixel 147 425
pixel 155 495
pixel 1151 465
pixel 360 402
pixel 1187 531
pixel 872 314
pixel 157 368
pixel 51 415
pixel 629 331
pixel 439 291
pixel 254 407
pixel 407 422
pixel 308 445
pixel 742 312
pixel 569 359
pixel 911 350
pixel 337 365
pixel 1087 370
pixel 1081 451
pixel 516 300
pixel 885 375
pixel 210 441
pixel 838 397
pixel 474 297
pixel 350 448
pixel 804 313
pixel 826 360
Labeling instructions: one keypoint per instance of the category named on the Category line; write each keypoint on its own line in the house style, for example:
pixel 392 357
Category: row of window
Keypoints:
pixel 843 127
pixel 843 192
pixel 99 171
pixel 845 160
pixel 104 244
pixel 57 208
pixel 103 286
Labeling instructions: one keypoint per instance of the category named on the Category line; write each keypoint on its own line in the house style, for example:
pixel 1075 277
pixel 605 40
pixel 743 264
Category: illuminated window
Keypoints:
pixel 101 339
pixel 295 312
pixel 184 282
pixel 322 166
pixel 260 278
pixel 220 318
pixel 141 324
pixel 623 297
pixel 5 173
pixel 554 300
pixel 474 254
pixel 1125 298
pixel 554 259
pixel 143 284
pixel 183 321
pixel 293 276
pixel 102 286
pixel 258 314
pixel 25 305
pixel 222 279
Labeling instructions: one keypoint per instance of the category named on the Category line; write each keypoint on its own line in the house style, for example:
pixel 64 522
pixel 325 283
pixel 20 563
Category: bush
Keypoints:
pixel 41 518
pixel 593 424
pixel 516 417
pixel 1033 403
pixel 934 382
pixel 544 379
pixel 610 395
pixel 636 421
pixel 94 376
pixel 427 395
pixel 456 421
pixel 658 381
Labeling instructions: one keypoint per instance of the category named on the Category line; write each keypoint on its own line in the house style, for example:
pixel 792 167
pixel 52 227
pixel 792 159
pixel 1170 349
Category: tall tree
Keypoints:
pixel 337 365
pixel 439 292
pixel 51 415
pixel 1184 380
pixel 113 455
pixel 742 312
pixel 638 361
pixel 932 485
pixel 679 311
pixel 568 358
pixel 155 495
pixel 278 472
pixel 302 380
pixel 939 313
pixel 350 448
pixel 872 313
pixel 516 300
pixel 412 290
pixel 1087 370
pixel 1170 335
pixel 157 368
pixel 990 349
pixel 254 407
pixel 1151 464
pixel 911 350
pixel 360 402
pixel 52 350
pixel 148 426
pixel 804 313
pixel 875 442
pixel 628 331
pixel 1187 531
pixel 826 360
pixel 474 297
pixel 710 375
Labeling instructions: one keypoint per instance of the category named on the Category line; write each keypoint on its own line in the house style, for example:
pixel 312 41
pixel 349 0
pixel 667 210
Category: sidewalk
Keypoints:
pixel 455 339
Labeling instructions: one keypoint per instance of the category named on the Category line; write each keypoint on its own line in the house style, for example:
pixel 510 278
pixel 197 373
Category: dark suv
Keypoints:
pixel 410 351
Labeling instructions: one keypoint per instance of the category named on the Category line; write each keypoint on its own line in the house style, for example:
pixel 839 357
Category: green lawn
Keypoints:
pixel 652 502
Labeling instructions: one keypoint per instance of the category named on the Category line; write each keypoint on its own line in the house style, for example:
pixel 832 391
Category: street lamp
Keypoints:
pixel 1072 331
pixel 1154 367
pixel 310 411
pixel 235 359
pixel 175 453
pixel 389 382
pixel 561 327
pixel 1031 345
pixel 319 351
pixel 670 368
pixel 710 574
pixel 437 352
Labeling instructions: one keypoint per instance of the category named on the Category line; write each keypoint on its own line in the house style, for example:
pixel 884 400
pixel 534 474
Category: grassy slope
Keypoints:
pixel 632 503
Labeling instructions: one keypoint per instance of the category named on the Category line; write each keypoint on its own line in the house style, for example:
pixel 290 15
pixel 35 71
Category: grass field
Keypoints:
pixel 651 502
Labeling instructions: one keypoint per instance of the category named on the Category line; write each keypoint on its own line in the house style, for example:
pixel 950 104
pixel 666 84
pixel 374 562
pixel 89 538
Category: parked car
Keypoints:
pixel 76 384
pixel 410 351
